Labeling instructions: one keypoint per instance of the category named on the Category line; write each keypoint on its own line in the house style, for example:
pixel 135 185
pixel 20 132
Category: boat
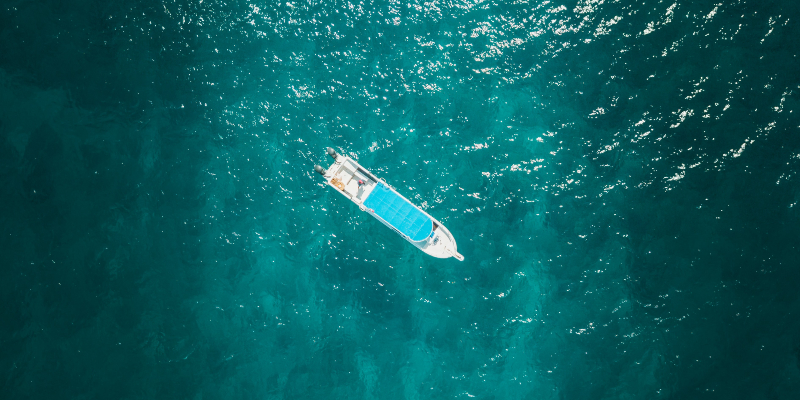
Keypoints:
pixel 379 199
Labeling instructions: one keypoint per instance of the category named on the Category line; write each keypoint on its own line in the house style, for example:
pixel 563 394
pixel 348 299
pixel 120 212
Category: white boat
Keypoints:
pixel 377 198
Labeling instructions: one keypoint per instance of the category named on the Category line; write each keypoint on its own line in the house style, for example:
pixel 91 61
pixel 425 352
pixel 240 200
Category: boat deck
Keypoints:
pixel 346 179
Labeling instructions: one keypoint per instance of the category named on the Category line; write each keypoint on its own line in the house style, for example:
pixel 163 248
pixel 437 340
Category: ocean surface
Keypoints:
pixel 621 177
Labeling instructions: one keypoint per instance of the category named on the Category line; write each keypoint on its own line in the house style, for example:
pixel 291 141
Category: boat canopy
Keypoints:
pixel 399 213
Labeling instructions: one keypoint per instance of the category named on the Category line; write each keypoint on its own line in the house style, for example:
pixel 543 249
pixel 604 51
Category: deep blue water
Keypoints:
pixel 622 178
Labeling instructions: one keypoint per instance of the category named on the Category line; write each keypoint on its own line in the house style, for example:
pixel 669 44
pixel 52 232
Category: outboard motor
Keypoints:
pixel 319 170
pixel 332 153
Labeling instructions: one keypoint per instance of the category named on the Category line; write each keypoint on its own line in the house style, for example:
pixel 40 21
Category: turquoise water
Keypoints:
pixel 621 178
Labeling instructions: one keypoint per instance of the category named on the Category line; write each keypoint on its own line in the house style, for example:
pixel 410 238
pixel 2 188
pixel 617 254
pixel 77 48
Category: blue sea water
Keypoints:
pixel 621 178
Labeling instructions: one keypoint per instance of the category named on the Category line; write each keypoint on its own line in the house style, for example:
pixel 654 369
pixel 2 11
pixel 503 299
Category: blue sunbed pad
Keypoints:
pixel 399 213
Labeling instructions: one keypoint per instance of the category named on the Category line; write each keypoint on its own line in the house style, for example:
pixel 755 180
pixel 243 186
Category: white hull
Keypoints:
pixel 343 176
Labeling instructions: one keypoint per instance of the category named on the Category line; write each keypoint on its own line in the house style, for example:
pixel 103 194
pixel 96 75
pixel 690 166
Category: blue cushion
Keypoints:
pixel 399 213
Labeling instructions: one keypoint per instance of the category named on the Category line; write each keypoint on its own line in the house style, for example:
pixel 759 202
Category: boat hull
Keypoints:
pixel 356 183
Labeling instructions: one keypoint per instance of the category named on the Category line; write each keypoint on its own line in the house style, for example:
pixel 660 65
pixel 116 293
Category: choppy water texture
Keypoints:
pixel 622 178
